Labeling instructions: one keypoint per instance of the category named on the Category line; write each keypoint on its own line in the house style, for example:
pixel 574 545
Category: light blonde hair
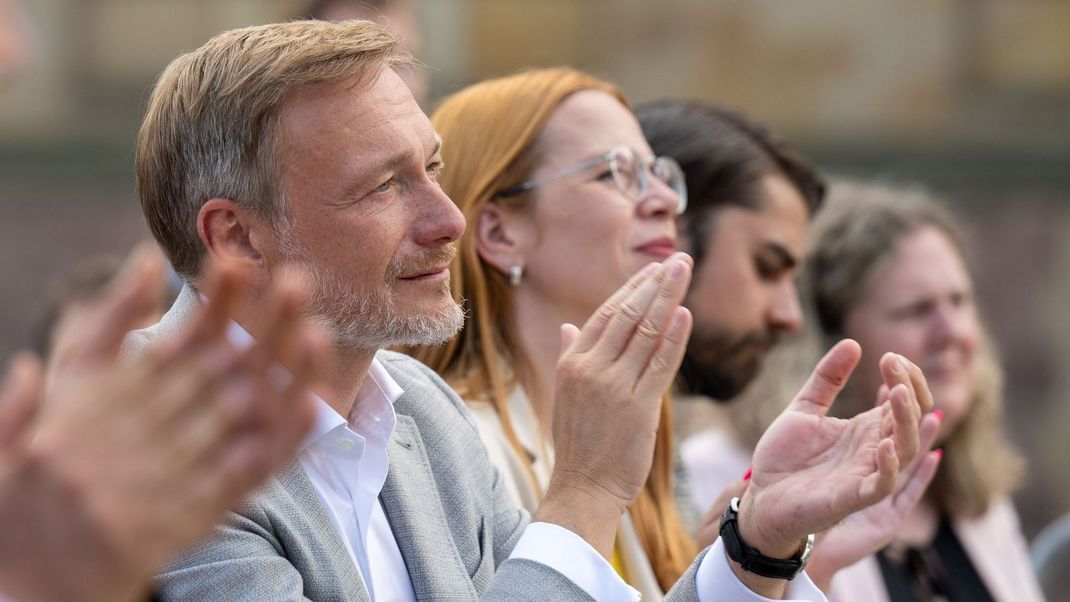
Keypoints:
pixel 490 135
pixel 851 242
pixel 210 127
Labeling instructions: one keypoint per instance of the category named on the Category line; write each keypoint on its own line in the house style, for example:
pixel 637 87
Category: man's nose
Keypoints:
pixel 785 311
pixel 441 221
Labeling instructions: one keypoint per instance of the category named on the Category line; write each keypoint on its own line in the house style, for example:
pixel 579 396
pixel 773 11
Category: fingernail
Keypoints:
pixel 648 269
pixel 938 453
pixel 746 475
pixel 939 414
pixel 679 318
pixel 676 270
pixel 900 365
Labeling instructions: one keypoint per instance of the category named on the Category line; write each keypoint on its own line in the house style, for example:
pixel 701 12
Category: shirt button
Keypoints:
pixel 345 444
pixel 377 418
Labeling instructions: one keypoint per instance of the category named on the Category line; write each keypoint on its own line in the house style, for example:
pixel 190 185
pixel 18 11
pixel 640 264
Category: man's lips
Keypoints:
pixel 659 247
pixel 437 273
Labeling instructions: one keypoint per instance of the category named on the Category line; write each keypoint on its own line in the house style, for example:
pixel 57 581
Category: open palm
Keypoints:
pixel 811 471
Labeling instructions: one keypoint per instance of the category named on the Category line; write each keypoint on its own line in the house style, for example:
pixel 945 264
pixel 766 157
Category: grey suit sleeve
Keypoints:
pixel 686 587
pixel 526 580
pixel 242 561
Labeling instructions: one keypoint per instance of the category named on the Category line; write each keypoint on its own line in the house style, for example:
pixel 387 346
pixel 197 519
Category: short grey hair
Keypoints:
pixel 209 129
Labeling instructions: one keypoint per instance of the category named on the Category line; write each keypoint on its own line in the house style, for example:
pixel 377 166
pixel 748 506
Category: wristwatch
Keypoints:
pixel 751 559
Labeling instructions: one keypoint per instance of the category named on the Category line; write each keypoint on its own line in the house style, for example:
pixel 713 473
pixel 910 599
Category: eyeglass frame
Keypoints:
pixel 644 175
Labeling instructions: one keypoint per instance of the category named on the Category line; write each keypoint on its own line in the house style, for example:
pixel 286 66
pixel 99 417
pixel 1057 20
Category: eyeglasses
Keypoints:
pixel 631 173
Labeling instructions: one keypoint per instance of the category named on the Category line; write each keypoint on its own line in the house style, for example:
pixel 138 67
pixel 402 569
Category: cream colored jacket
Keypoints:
pixel 524 493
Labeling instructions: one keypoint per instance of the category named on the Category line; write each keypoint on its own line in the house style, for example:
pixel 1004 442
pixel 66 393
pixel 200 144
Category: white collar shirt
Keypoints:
pixel 347 463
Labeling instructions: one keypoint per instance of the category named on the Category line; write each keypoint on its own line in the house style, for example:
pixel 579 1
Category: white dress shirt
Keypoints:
pixel 347 463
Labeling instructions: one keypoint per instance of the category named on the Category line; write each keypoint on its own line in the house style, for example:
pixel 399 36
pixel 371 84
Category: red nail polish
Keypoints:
pixel 939 414
pixel 939 453
pixel 746 475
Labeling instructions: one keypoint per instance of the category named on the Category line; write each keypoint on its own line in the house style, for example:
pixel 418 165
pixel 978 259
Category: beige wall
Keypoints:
pixel 823 69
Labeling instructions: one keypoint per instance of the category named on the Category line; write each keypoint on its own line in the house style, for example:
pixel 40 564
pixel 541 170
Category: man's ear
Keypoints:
pixel 233 235
pixel 501 238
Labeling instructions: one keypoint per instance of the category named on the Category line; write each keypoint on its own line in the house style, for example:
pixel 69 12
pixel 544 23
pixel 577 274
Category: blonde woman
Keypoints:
pixel 886 266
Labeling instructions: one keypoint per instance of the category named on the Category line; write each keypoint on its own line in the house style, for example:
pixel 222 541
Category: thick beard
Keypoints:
pixel 371 322
pixel 715 365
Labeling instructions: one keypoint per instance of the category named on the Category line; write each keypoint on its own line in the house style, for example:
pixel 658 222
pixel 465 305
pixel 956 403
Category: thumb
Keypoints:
pixel 827 379
pixel 569 334
pixel 130 294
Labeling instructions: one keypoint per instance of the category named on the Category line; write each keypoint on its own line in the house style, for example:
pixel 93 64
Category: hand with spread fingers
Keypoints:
pixel 871 529
pixel 611 376
pixel 131 463
pixel 811 471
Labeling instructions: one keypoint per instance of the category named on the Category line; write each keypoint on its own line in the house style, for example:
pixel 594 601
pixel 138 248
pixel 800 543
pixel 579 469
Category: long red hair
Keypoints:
pixel 489 133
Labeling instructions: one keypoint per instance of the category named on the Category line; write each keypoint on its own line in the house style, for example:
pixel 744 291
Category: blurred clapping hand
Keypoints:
pixel 116 466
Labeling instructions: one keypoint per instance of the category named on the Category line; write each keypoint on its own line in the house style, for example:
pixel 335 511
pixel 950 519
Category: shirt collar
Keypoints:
pixel 378 387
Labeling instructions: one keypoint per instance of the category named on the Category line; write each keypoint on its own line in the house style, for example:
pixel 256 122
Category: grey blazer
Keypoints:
pixel 452 519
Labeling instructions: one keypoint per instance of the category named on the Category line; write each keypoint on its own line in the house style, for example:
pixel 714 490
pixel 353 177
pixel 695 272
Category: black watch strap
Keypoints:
pixel 753 561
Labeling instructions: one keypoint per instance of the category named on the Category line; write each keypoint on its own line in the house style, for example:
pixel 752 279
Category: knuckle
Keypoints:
pixel 665 292
pixel 831 379
pixel 658 363
pixel 647 329
pixel 571 367
pixel 605 313
pixel 632 310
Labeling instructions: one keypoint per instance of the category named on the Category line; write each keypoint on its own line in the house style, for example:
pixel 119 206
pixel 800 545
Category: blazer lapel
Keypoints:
pixel 331 558
pixel 418 520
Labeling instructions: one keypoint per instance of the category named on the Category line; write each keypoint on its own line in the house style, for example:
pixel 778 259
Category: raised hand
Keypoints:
pixel 133 462
pixel 610 379
pixel 811 471
pixel 871 529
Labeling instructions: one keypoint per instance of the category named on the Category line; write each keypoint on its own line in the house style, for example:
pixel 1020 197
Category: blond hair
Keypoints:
pixel 210 127
pixel 490 135
pixel 851 241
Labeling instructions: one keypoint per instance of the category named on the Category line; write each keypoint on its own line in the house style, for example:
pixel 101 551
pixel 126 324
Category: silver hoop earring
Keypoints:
pixel 515 274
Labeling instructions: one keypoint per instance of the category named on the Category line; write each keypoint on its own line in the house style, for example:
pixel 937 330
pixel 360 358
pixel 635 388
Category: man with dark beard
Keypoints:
pixel 750 200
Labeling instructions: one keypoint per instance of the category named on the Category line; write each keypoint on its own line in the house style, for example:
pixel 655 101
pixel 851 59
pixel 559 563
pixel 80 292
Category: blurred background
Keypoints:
pixel 969 97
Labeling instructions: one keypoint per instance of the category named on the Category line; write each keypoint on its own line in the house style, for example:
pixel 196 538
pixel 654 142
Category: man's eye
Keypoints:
pixel 384 187
pixel 435 169
pixel 605 176
pixel 766 270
